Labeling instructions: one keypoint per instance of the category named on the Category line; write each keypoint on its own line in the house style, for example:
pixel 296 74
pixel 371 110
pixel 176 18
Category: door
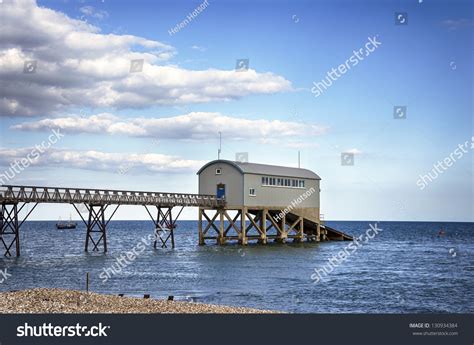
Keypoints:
pixel 221 191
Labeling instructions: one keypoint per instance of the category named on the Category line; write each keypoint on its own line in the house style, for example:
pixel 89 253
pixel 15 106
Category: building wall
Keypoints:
pixel 274 197
pixel 231 177
pixel 277 196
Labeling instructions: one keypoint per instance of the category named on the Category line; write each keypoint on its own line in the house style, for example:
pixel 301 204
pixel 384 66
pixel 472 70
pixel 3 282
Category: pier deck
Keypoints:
pixel 36 194
pixel 96 201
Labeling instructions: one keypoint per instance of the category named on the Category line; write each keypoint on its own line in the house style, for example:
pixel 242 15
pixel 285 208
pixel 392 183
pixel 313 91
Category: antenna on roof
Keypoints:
pixel 220 146
pixel 299 159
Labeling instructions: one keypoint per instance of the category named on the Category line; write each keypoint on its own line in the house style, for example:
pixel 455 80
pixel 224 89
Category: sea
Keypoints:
pixel 405 267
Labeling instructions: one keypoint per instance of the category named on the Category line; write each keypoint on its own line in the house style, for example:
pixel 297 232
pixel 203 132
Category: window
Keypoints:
pixel 282 182
pixel 218 171
pixel 252 192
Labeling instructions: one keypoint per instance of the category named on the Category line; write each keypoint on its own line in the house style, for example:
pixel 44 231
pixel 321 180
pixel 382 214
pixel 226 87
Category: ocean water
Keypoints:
pixel 406 268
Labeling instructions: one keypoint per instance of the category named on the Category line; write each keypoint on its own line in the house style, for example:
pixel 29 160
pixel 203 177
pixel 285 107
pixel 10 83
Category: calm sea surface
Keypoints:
pixel 406 268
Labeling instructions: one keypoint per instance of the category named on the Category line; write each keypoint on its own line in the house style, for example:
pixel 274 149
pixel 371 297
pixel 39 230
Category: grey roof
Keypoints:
pixel 265 169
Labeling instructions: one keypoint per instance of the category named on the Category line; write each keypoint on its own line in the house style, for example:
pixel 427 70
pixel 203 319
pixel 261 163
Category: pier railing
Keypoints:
pixel 36 194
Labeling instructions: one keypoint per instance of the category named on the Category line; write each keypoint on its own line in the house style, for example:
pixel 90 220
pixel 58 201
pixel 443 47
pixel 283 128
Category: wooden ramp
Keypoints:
pixel 311 227
pixel 336 235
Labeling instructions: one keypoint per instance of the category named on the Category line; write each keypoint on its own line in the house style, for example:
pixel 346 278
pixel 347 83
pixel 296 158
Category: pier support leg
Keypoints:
pixel 282 235
pixel 221 237
pixel 300 231
pixel 10 229
pixel 96 225
pixel 243 227
pixel 10 226
pixel 263 227
pixel 164 225
pixel 201 235
pixel 210 225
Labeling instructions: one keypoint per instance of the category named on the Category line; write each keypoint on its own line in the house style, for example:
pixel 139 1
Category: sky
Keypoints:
pixel 66 66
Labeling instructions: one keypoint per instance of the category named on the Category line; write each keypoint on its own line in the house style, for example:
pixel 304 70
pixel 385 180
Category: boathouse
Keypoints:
pixel 262 202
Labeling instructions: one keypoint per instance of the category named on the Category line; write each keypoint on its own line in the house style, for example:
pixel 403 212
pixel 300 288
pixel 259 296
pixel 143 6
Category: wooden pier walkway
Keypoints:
pixel 96 201
pixel 36 194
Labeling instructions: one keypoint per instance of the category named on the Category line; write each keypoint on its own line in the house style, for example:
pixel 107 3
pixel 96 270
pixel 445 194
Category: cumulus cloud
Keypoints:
pixel 101 161
pixel 191 126
pixel 79 66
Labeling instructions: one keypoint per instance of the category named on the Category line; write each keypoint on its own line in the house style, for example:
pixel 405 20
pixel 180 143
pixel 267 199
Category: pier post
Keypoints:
pixel 171 226
pixel 96 225
pixel 300 235
pixel 10 227
pixel 282 235
pixel 221 237
pixel 164 225
pixel 243 227
pixel 201 235
pixel 263 227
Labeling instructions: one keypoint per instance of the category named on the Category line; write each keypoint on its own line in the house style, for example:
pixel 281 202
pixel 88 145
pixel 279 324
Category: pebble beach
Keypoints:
pixel 39 301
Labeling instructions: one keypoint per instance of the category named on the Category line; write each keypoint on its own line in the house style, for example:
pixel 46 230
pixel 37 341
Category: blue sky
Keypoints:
pixel 425 65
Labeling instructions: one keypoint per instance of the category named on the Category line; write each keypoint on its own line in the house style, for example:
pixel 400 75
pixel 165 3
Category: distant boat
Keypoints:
pixel 66 225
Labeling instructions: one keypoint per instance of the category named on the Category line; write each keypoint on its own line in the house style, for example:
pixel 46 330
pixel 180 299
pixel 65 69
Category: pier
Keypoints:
pixel 237 202
pixel 163 209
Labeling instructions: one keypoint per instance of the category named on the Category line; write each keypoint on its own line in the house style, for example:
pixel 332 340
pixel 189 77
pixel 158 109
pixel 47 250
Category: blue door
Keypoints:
pixel 221 191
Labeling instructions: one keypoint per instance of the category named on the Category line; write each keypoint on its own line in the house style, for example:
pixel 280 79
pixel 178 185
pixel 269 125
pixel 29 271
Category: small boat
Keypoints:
pixel 66 225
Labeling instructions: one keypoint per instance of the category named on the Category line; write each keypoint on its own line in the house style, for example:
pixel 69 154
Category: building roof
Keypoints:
pixel 265 169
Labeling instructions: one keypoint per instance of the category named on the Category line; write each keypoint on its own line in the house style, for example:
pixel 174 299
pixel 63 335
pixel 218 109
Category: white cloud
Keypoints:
pixel 91 11
pixel 196 47
pixel 294 144
pixel 192 126
pixel 102 161
pixel 77 65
